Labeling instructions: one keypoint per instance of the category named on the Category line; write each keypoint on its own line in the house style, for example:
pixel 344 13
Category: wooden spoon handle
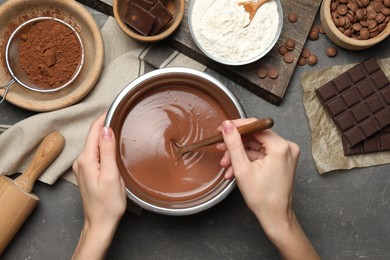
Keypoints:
pixel 258 125
pixel 48 150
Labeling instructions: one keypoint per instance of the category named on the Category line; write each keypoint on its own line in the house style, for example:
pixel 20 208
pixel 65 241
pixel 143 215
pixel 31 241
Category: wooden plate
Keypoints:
pixel 15 12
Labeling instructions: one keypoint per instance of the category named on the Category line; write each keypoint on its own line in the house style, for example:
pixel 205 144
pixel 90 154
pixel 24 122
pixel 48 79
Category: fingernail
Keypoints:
pixel 106 133
pixel 227 126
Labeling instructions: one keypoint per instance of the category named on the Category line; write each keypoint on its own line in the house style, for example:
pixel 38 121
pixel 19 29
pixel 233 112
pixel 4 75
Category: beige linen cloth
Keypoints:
pixel 326 143
pixel 123 63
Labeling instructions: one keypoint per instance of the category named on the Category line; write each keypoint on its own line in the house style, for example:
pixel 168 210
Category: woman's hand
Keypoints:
pixel 102 191
pixel 264 166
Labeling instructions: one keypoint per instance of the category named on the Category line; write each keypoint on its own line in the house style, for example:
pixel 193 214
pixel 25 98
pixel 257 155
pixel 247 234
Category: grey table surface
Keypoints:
pixel 344 213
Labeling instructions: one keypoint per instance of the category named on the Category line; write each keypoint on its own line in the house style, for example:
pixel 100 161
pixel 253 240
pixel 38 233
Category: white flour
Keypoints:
pixel 218 26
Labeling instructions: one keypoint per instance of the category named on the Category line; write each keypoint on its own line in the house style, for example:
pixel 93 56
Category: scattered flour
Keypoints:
pixel 218 26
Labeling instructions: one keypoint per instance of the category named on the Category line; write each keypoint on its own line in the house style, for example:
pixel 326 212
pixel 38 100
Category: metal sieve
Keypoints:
pixel 12 59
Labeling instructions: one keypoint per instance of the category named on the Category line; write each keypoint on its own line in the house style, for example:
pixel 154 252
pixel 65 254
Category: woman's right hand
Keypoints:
pixel 264 165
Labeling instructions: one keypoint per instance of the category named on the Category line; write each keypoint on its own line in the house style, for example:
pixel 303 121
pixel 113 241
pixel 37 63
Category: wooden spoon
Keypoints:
pixel 251 8
pixel 258 125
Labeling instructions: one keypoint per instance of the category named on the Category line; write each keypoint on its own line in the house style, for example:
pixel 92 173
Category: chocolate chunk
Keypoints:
pixel 358 101
pixel 147 5
pixel 378 142
pixel 163 17
pixel 139 19
pixel 49 57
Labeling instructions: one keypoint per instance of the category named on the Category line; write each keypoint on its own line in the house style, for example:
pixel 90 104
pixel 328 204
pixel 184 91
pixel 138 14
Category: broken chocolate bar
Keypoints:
pixel 378 142
pixel 358 101
pixel 139 19
pixel 163 16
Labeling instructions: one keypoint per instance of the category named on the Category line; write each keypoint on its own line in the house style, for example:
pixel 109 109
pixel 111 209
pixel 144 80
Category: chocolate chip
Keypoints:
pixel 273 73
pixel 301 61
pixel 313 35
pixel 331 51
pixel 139 19
pixel 292 17
pixel 282 50
pixel 262 73
pixel 288 57
pixel 357 27
pixel 290 44
pixel 364 34
pixel 379 6
pixel 342 9
pixel 312 59
pixel 305 52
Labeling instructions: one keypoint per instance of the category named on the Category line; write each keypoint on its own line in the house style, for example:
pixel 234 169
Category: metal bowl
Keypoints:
pixel 249 59
pixel 134 93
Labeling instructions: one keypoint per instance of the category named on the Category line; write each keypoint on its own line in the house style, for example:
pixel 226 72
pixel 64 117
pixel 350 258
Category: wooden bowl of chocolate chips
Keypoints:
pixel 356 24
pixel 148 20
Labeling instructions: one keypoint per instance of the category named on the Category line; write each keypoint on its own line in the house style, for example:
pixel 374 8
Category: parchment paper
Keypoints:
pixel 327 148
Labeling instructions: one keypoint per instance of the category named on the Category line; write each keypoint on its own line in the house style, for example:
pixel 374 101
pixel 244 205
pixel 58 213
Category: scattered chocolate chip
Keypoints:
pixel 273 73
pixel 282 50
pixel 313 35
pixel 301 61
pixel 312 59
pixel 290 44
pixel 288 57
pixel 163 16
pixel 305 52
pixel 292 17
pixel 331 51
pixel 147 17
pixel 262 72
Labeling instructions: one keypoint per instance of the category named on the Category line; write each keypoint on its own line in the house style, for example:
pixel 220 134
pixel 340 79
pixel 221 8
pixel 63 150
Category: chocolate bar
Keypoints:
pixel 358 101
pixel 378 142
pixel 139 19
pixel 163 16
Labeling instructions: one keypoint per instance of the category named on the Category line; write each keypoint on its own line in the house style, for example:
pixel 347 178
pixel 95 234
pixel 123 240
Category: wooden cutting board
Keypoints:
pixel 272 90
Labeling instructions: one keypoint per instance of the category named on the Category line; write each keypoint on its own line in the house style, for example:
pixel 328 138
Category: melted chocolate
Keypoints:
pixel 162 116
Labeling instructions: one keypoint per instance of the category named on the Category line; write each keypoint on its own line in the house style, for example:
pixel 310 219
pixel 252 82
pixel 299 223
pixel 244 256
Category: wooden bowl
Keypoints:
pixel 339 38
pixel 13 13
pixel 176 7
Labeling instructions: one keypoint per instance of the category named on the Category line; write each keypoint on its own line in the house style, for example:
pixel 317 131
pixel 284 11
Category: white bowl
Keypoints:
pixel 236 62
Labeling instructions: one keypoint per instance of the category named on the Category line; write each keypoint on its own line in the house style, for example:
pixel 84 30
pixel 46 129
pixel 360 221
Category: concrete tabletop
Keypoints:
pixel 344 213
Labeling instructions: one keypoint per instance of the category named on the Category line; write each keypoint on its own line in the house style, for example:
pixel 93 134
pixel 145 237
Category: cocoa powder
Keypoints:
pixel 49 53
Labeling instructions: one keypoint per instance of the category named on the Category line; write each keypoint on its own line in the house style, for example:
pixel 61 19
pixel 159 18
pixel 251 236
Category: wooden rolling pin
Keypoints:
pixel 15 198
